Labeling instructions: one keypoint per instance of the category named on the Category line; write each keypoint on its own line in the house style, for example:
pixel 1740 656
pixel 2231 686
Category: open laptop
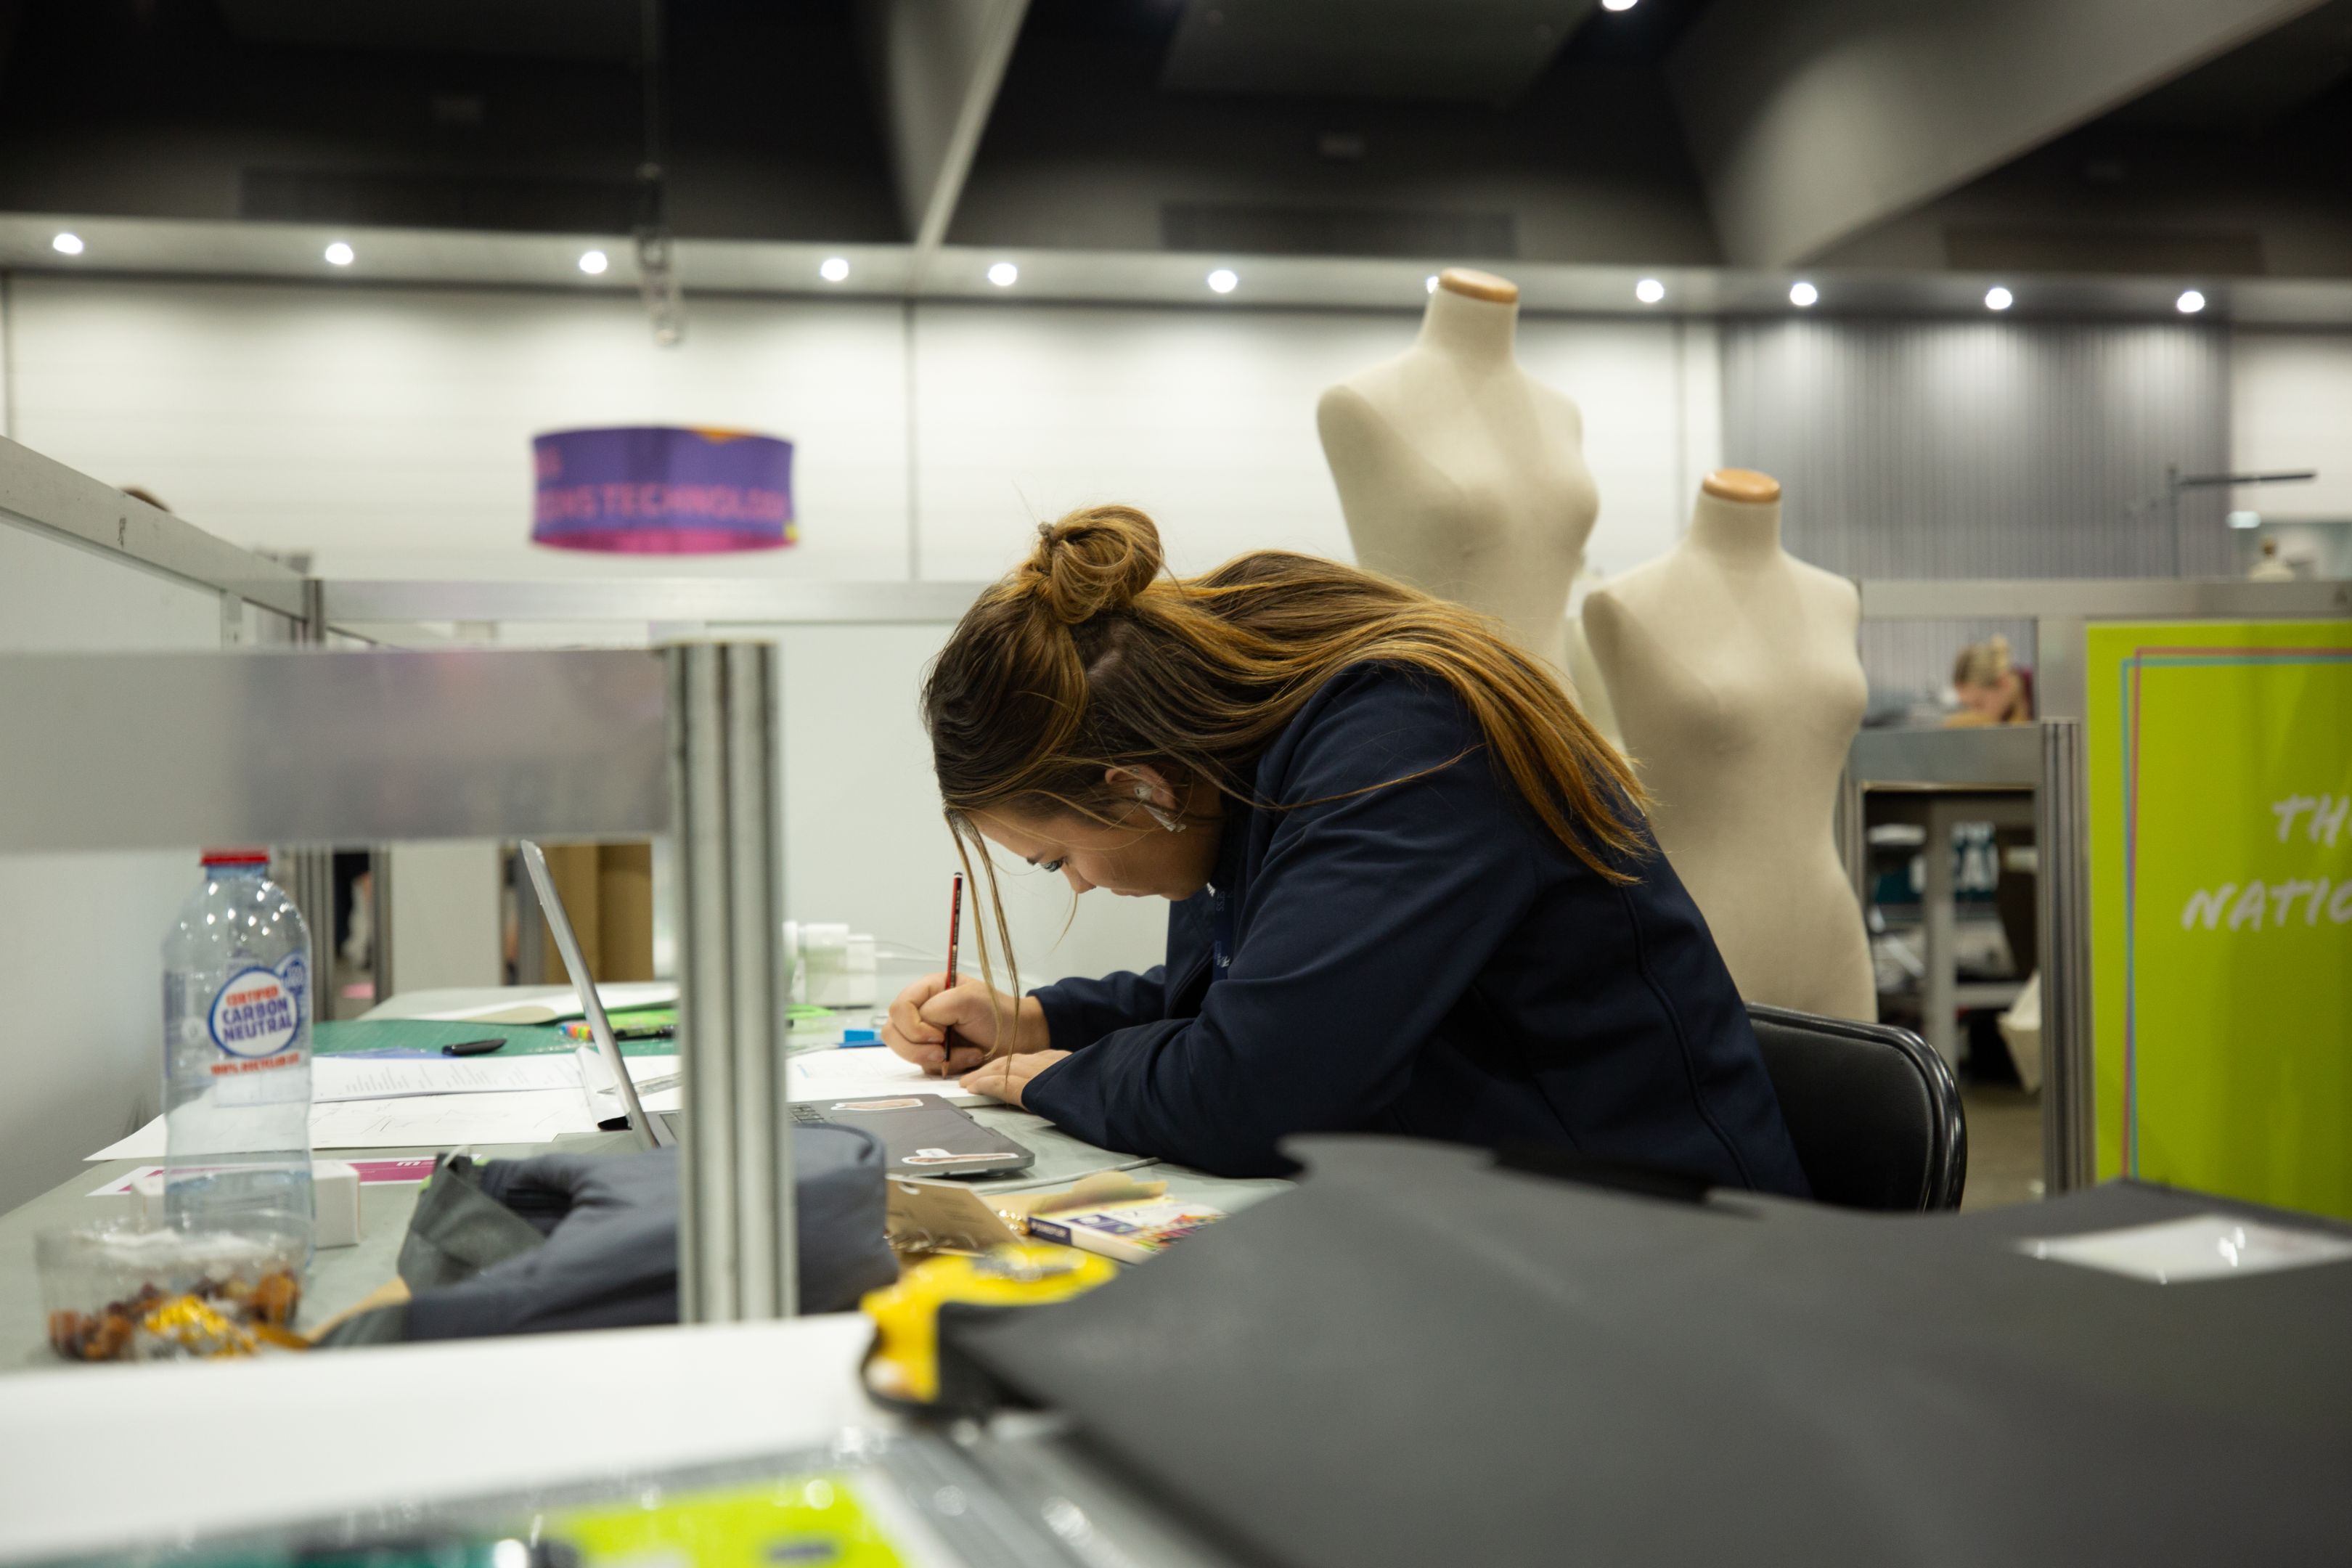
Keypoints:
pixel 921 1135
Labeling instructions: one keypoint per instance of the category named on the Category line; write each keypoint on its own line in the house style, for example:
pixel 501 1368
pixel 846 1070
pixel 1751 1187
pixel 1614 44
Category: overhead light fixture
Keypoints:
pixel 2188 304
pixel 1801 294
pixel 834 268
pixel 1649 290
pixel 2245 520
pixel 1225 280
pixel 1617 5
pixel 1004 274
pixel 1429 284
pixel 593 262
pixel 1999 298
pixel 338 254
pixel 66 245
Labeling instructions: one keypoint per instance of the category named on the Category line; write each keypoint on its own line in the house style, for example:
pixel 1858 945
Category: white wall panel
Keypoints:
pixel 388 430
pixel 1206 418
pixel 79 934
pixel 1626 377
pixel 2291 407
pixel 863 841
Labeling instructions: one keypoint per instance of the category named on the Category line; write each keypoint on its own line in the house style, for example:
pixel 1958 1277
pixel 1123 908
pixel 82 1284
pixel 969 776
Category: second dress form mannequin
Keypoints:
pixel 1461 474
pixel 1733 672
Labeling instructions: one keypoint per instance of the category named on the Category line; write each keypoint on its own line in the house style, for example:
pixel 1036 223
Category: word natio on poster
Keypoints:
pixel 2248 906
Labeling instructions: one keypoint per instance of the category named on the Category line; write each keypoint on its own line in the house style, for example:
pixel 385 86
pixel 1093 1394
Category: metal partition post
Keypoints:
pixel 736 1244
pixel 308 874
pixel 2061 847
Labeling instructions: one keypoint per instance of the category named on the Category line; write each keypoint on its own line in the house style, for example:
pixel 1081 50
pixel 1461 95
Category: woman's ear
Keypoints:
pixel 1142 783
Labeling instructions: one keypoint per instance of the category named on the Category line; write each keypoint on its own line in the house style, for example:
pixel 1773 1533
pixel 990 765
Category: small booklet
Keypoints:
pixel 1128 1231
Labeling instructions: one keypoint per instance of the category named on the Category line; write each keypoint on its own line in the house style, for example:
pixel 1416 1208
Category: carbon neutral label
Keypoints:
pixel 255 1016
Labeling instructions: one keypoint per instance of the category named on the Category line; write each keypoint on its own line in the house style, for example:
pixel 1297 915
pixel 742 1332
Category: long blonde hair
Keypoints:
pixel 1090 657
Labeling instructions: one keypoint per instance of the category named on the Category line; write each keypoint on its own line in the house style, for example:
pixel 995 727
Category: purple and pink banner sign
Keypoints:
pixel 662 490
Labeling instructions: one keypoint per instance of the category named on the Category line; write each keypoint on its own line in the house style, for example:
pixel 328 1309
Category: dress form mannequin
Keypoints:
pixel 1461 474
pixel 1734 675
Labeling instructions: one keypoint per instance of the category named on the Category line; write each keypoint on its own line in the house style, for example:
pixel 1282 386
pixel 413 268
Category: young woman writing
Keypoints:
pixel 1413 889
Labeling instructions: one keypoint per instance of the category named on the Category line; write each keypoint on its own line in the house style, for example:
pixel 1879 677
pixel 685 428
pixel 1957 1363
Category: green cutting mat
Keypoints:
pixel 430 1035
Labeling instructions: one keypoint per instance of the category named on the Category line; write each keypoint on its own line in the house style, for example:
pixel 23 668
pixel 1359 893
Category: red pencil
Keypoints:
pixel 955 929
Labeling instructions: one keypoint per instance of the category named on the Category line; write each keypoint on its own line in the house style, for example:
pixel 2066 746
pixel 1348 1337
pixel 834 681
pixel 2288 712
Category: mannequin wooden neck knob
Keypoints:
pixel 1742 485
pixel 1473 284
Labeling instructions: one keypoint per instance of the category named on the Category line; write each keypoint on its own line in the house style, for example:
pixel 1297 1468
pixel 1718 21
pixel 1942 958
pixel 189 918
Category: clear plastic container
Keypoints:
pixel 237 1059
pixel 119 1292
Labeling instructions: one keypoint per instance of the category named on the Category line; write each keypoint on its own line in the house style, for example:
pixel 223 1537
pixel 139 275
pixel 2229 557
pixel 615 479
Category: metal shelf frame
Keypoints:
pixel 305 747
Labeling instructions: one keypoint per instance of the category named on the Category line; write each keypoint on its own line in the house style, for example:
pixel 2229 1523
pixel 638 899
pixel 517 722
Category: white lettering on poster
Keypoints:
pixel 2293 901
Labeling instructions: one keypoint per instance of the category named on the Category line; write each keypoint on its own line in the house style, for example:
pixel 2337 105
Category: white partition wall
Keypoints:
pixel 81 1051
pixel 386 431
pixel 863 841
pixel 1206 418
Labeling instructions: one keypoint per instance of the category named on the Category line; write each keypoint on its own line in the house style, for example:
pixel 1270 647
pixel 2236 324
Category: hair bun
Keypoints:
pixel 1093 561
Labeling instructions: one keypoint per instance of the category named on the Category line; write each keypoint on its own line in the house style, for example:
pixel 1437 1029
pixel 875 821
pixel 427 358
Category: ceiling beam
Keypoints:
pixel 1815 119
pixel 936 66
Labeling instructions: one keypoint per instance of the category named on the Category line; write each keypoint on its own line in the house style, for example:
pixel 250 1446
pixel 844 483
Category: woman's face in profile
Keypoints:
pixel 1135 860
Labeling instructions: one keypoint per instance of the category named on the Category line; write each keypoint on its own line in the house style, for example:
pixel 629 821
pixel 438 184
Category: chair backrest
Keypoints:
pixel 1872 1110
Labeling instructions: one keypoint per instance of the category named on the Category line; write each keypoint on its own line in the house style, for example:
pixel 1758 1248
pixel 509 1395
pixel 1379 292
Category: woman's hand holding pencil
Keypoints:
pixel 922 1016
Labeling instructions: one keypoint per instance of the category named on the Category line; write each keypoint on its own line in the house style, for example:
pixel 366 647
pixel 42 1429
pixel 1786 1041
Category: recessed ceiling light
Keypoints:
pixel 1429 284
pixel 1617 5
pixel 1225 280
pixel 834 268
pixel 1004 274
pixel 2189 302
pixel 1999 298
pixel 338 254
pixel 1649 290
pixel 66 245
pixel 593 262
pixel 1801 294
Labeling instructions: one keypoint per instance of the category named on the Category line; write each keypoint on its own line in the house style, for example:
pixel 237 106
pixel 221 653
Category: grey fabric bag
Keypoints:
pixel 590 1241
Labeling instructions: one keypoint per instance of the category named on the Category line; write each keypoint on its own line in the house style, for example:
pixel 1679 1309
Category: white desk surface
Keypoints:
pixel 98 1458
pixel 81 1447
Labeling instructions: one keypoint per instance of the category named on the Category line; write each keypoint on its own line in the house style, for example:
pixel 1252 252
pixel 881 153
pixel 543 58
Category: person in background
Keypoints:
pixel 1992 689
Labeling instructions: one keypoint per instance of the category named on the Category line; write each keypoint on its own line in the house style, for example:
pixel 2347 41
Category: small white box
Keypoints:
pixel 334 1188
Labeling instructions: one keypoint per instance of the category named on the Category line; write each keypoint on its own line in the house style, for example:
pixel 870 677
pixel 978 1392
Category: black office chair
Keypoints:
pixel 1872 1110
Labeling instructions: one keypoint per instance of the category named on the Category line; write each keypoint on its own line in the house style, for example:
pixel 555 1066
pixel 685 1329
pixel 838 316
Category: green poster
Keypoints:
pixel 2220 807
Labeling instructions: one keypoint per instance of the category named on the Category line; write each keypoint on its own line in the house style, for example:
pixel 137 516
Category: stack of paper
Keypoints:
pixel 869 1072
pixel 400 1077
pixel 439 1120
pixel 378 1102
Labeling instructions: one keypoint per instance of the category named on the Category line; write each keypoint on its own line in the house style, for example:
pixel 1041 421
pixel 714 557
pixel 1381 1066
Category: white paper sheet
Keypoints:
pixel 397 1078
pixel 530 1116
pixel 616 995
pixel 656 1078
pixel 2202 1247
pixel 534 1116
pixel 867 1072
pixel 488 1115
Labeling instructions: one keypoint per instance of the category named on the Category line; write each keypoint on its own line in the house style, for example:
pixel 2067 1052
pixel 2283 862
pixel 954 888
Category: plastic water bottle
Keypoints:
pixel 236 1058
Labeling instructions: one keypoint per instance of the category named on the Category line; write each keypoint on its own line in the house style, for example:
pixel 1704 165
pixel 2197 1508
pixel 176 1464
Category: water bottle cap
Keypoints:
pixel 237 856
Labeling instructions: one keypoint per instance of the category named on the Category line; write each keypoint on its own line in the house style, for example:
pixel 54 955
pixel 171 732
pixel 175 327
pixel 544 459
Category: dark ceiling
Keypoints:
pixel 1129 124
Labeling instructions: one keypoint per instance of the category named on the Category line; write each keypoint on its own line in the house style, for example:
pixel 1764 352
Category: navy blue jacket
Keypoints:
pixel 1423 958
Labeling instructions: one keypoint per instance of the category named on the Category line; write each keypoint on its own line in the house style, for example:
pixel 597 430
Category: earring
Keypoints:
pixel 1169 823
